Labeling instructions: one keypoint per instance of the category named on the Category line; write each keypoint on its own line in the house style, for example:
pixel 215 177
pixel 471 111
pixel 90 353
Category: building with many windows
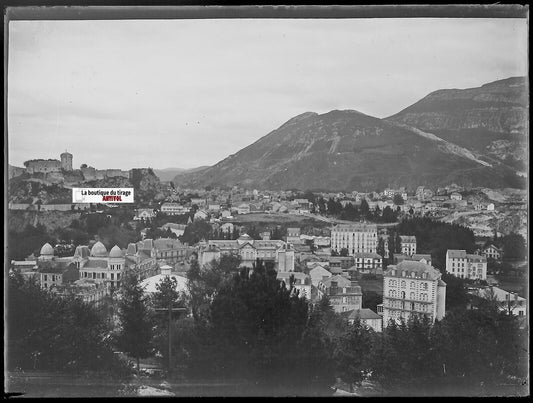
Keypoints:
pixel 408 244
pixel 413 288
pixel 357 238
pixel 343 294
pixel 282 254
pixel 464 265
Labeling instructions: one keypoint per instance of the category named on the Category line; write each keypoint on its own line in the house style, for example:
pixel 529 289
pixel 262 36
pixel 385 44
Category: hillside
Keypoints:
pixel 346 150
pixel 490 120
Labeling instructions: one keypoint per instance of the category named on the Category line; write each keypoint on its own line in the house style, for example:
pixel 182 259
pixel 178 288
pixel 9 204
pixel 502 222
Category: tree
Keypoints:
pixel 136 320
pixel 514 246
pixel 456 295
pixel 398 199
pixel 351 354
pixel 364 209
pixel 380 250
pixel 343 252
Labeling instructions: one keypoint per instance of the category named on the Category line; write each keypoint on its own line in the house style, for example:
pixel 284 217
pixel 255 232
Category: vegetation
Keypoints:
pixel 136 320
pixel 46 332
pixel 351 212
pixel 435 238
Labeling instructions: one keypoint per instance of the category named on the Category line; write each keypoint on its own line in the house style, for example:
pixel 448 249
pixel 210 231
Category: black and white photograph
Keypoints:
pixel 271 201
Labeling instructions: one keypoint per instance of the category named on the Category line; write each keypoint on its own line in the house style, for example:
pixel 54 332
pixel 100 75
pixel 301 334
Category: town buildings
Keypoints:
pixel 413 288
pixel 302 282
pixel 366 317
pixel 506 301
pixel 408 244
pixel 368 262
pixel 276 251
pixel 174 209
pixel 343 294
pixel 357 238
pixel 464 265
pixel 493 252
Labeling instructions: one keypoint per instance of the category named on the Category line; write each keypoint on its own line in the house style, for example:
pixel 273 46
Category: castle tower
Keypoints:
pixel 66 161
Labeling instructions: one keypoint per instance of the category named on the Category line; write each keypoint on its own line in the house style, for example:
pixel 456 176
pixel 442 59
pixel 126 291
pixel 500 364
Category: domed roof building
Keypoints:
pixel 116 252
pixel 99 250
pixel 47 250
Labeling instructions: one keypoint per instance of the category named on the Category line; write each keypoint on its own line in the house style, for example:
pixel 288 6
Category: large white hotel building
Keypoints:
pixel 413 288
pixel 357 238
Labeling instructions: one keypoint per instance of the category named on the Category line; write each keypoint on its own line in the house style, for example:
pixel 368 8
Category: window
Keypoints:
pixel 45 277
pixel 403 284
pixel 412 284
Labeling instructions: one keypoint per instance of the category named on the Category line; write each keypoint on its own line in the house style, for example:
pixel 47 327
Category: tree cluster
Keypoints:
pixel 352 212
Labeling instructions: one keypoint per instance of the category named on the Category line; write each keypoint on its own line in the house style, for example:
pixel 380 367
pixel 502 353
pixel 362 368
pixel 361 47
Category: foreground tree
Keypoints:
pixel 136 320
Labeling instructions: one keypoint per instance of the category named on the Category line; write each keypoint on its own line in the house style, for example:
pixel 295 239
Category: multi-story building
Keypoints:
pixel 413 288
pixel 343 294
pixel 174 209
pixel 171 250
pixel 144 214
pixel 368 262
pixel 464 265
pixel 89 291
pixel 280 253
pixel 357 238
pixel 492 252
pixel 302 282
pixel 293 235
pixel 366 317
pixel 408 244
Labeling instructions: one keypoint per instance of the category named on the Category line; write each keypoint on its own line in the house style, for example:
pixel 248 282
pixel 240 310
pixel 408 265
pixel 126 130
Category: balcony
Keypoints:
pixel 408 300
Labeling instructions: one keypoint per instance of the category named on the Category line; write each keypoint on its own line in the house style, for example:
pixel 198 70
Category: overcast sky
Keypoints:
pixel 185 93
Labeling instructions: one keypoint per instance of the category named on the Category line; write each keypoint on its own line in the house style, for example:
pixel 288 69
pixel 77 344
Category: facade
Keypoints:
pixel 413 288
pixel 506 301
pixel 456 196
pixel 408 244
pixel 368 262
pixel 89 291
pixel 464 265
pixel 201 215
pixel 171 250
pixel 178 229
pixel 174 209
pixel 366 316
pixel 318 274
pixel 357 238
pixel 302 282
pixel 492 252
pixel 344 295
pixel 144 214
pixel 249 249
pixel 43 166
pixel 293 235
pixel 243 209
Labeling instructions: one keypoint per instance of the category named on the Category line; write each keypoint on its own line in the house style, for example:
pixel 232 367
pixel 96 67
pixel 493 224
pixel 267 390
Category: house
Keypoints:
pixel 243 208
pixel 213 207
pixel 408 244
pixel 343 294
pixel 174 209
pixel 456 196
pixel 506 301
pixel 149 284
pixel 318 274
pixel 171 250
pixel 225 213
pixel 490 207
pixel 493 252
pixel 198 201
pixel 413 289
pixel 293 235
pixel 91 292
pixel 227 228
pixel 144 214
pixel 342 263
pixel 178 229
pixel 201 215
pixel 302 282
pixel 367 317
pixel 464 265
pixel 367 263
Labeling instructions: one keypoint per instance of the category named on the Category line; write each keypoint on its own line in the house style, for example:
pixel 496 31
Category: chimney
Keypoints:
pixel 166 270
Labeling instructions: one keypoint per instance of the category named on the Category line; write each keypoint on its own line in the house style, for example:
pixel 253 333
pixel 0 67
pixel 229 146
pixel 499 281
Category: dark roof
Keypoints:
pixel 363 313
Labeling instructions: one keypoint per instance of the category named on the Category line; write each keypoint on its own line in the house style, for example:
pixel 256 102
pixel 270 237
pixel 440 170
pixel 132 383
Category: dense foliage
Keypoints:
pixel 353 212
pixel 46 332
pixel 435 238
